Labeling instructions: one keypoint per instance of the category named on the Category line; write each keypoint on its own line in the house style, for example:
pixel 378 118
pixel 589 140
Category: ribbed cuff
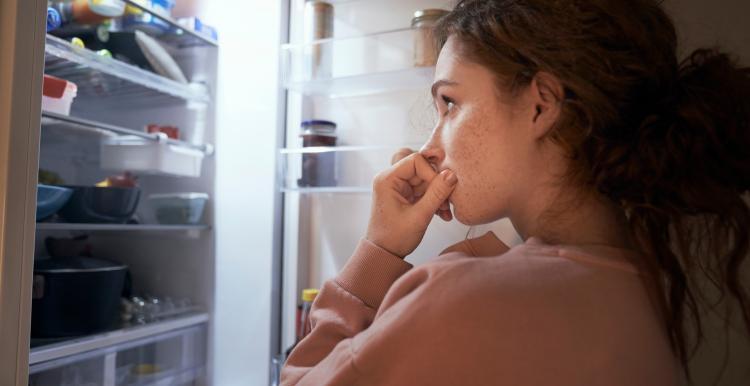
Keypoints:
pixel 370 272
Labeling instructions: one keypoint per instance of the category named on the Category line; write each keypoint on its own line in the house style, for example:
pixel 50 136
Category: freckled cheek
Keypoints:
pixel 468 150
pixel 465 148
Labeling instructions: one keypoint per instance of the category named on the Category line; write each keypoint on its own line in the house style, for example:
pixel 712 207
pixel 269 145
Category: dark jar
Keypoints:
pixel 318 168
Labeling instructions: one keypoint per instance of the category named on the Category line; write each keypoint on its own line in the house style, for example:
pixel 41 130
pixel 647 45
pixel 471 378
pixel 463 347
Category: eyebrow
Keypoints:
pixel 441 83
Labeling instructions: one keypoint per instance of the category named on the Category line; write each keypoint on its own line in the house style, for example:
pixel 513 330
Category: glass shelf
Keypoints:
pixel 375 63
pixel 58 121
pixel 108 83
pixel 332 149
pixel 52 226
pixel 58 348
pixel 178 35
pixel 329 189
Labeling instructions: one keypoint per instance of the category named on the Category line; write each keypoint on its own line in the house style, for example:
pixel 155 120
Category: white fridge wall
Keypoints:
pixel 246 119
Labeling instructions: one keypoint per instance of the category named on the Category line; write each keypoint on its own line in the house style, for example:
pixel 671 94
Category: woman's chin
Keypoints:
pixel 463 217
pixel 472 216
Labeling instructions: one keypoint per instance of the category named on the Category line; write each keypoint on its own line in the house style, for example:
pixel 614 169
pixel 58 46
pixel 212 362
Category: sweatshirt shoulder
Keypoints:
pixel 523 275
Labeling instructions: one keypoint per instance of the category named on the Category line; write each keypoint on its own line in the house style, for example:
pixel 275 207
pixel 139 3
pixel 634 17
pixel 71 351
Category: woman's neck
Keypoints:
pixel 574 218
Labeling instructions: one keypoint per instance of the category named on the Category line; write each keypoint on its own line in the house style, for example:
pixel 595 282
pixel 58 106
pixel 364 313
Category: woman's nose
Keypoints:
pixel 433 152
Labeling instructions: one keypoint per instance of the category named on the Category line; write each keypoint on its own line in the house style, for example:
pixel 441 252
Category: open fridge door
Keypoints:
pixel 21 63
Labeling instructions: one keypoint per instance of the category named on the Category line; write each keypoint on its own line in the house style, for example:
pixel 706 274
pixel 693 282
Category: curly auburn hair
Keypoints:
pixel 666 140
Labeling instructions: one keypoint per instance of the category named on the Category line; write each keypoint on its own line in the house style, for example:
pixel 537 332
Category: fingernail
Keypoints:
pixel 450 177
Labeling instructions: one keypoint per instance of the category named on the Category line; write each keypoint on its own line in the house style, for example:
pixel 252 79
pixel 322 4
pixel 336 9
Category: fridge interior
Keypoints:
pixel 164 338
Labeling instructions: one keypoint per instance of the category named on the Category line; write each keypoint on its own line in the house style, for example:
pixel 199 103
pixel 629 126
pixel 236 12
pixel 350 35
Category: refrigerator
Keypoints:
pixel 212 301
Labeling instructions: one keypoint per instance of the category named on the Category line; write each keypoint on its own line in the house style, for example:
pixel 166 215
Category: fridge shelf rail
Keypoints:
pixel 109 83
pixel 374 63
pixel 54 120
pixel 178 35
pixel 103 340
pixel 51 226
pixel 353 148
pixel 329 190
pixel 334 169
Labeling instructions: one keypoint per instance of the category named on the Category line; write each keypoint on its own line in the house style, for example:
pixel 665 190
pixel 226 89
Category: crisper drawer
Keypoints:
pixel 174 358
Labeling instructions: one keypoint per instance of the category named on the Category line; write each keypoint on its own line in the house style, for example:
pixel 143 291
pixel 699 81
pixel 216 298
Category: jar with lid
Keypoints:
pixel 425 48
pixel 319 168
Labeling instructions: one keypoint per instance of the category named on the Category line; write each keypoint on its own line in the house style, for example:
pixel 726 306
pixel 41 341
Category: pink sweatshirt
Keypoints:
pixel 483 314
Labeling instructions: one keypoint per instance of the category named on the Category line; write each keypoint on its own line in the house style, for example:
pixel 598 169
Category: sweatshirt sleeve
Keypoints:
pixel 344 307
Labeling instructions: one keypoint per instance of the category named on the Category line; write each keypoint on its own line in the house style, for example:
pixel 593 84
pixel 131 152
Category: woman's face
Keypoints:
pixel 486 137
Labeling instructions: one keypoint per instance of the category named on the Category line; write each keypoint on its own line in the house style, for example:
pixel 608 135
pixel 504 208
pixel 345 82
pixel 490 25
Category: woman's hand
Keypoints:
pixel 444 212
pixel 405 197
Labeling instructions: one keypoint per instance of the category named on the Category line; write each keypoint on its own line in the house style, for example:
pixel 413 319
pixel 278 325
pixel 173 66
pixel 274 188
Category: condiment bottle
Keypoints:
pixel 319 168
pixel 303 318
pixel 318 24
pixel 425 49
pixel 308 296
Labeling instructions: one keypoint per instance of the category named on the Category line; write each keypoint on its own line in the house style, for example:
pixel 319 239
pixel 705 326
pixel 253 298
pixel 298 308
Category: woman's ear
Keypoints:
pixel 546 95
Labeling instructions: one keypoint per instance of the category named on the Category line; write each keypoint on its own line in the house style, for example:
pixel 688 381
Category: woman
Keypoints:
pixel 622 171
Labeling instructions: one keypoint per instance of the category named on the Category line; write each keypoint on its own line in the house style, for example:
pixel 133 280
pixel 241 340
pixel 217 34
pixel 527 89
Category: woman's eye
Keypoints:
pixel 449 104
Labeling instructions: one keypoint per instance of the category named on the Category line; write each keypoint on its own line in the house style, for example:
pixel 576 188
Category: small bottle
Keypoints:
pixel 303 327
pixel 308 296
pixel 54 21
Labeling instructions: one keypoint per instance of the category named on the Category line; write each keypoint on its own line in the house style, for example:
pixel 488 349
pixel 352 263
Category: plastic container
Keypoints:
pixel 178 208
pixel 142 155
pixel 49 200
pixel 99 205
pixel 58 95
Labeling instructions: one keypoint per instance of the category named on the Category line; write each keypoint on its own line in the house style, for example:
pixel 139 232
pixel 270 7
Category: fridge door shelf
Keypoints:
pixel 333 169
pixel 106 83
pixel 375 63
pixel 139 155
pixel 52 226
pixel 47 356
pixel 82 126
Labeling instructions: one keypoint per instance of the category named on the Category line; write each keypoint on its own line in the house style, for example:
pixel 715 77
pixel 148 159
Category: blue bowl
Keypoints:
pixel 50 199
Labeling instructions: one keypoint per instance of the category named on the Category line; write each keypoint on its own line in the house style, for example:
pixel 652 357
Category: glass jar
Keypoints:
pixel 425 48
pixel 318 169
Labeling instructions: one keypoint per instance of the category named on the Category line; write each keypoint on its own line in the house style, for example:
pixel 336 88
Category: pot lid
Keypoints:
pixel 75 264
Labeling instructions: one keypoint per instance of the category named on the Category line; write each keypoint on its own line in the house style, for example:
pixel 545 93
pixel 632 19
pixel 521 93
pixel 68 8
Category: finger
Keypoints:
pixel 420 189
pixel 414 165
pixel 439 190
pixel 401 154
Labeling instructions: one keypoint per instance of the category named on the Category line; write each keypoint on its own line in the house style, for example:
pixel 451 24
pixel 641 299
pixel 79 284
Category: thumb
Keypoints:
pixel 438 191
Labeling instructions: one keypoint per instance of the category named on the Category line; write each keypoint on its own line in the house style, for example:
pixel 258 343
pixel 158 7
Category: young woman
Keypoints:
pixel 624 172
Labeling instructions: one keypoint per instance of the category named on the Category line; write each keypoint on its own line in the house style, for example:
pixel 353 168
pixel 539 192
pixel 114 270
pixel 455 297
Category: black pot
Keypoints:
pixel 91 204
pixel 75 296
